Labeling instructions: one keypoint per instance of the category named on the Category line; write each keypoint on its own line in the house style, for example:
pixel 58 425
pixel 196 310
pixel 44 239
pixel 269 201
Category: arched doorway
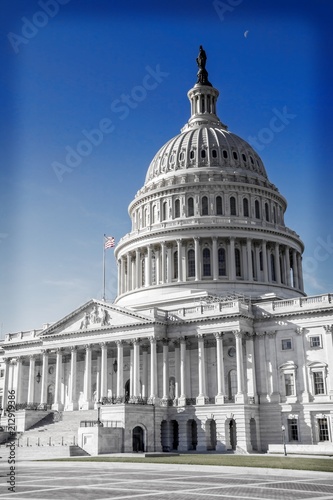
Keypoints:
pixel 211 434
pixel 232 434
pixel 175 434
pixel 192 435
pixel 138 443
pixel 253 434
pixel 50 394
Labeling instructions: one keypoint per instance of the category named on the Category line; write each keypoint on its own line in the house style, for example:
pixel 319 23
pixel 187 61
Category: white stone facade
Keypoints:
pixel 211 343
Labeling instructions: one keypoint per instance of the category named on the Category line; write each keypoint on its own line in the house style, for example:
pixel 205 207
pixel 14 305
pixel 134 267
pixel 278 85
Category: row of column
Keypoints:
pixel 140 387
pixel 155 264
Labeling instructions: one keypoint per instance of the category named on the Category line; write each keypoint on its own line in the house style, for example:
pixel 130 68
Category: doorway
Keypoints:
pixel 138 439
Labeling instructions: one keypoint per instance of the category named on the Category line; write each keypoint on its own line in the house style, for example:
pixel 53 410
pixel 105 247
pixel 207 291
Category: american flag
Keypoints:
pixel 108 242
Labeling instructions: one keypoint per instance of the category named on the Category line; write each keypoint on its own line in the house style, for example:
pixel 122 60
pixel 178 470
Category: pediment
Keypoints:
pixel 96 315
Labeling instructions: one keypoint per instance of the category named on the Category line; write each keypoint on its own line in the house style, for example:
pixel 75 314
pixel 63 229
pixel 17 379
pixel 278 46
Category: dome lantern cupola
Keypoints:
pixel 203 97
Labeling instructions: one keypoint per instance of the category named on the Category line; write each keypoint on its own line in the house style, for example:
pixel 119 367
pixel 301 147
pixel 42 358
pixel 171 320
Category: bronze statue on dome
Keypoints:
pixel 202 73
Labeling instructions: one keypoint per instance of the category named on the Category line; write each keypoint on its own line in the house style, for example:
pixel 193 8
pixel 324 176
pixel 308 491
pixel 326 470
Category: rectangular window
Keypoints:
pixel 318 383
pixel 315 341
pixel 289 384
pixel 286 344
pixel 293 429
pixel 323 429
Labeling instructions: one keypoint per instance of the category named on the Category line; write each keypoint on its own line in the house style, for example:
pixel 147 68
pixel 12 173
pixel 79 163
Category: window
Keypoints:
pixel 289 383
pixel 206 262
pixel 177 209
pixel 214 153
pixel 221 262
pixel 261 264
pixel 232 205
pixel 292 429
pixel 244 157
pixel 218 205
pixel 257 209
pixel 318 383
pixel 154 214
pixel 204 205
pixel 323 429
pixel 235 155
pixel 181 156
pixel 238 263
pixel 232 384
pixel 192 155
pixel 315 341
pixel 274 215
pixel 266 212
pixel 245 207
pixel 251 159
pixel 286 344
pixel 175 265
pixel 225 153
pixel 191 263
pixel 203 153
pixel 190 207
pixel 164 210
pixel 273 268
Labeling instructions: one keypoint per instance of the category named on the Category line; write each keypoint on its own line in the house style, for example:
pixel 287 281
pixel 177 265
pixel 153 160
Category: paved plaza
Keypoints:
pixel 99 481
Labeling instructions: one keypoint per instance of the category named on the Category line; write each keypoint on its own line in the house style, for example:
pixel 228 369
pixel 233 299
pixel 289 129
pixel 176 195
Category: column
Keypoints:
pixel 277 263
pixel 182 397
pixel 137 268
pixel 215 259
pixel 239 398
pixel 136 369
pixel 58 376
pixel 288 265
pixel 273 375
pixel 249 259
pixel 5 386
pixel 73 399
pixel 119 276
pixel 87 403
pixel 31 381
pixel 144 392
pixel 177 369
pixel 295 270
pixel 153 371
pixel 157 266
pixel 250 369
pixel 232 265
pixel 263 377
pixel 258 270
pixel 219 398
pixel 300 272
pixel 123 277
pixel 148 265
pixel 165 394
pixel 301 350
pixel 97 395
pixel 129 272
pixel 179 263
pixel 201 398
pixel 43 391
pixel 104 370
pixel 169 263
pixel 120 369
pixel 163 263
pixel 264 260
pixel 197 259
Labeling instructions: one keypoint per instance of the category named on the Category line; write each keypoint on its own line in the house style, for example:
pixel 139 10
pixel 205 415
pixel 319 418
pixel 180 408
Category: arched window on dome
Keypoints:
pixel 274 215
pixel 257 209
pixel 238 263
pixel 267 212
pixel 245 207
pixel 203 153
pixel 218 203
pixel 206 262
pixel 233 205
pixel 145 217
pixel 154 214
pixel 177 209
pixel 244 157
pixel 190 207
pixel 235 155
pixel 204 205
pixel 214 153
pixel 164 210
pixel 222 262
pixel 225 153
pixel 273 274
pixel 175 265
pixel 192 154
pixel 191 263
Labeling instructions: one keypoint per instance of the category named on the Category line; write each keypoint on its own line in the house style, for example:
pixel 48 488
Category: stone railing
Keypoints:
pixel 232 306
pixel 306 303
pixel 118 400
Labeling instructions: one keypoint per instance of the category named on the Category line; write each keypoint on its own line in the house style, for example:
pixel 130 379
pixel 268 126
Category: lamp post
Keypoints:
pixel 99 422
pixel 283 428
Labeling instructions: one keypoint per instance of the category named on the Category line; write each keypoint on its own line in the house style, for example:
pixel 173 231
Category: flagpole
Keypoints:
pixel 104 268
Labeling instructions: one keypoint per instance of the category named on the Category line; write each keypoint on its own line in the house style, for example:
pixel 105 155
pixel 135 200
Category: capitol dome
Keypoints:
pixel 207 220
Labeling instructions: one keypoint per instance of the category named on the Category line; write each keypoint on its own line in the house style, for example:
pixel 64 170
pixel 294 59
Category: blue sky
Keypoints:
pixel 64 70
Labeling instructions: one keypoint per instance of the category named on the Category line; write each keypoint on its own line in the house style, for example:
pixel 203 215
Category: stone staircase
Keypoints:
pixel 50 432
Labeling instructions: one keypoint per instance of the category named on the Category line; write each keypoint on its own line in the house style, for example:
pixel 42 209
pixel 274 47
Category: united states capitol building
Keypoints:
pixel 211 343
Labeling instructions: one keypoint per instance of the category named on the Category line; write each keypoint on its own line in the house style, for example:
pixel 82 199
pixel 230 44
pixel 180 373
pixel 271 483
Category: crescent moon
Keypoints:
pixel 246 33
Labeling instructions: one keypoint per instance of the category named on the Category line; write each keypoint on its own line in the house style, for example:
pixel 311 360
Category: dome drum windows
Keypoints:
pixel 177 209
pixel 233 207
pixel 218 205
pixel 190 207
pixel 214 153
pixel 206 264
pixel 246 212
pixel 204 205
